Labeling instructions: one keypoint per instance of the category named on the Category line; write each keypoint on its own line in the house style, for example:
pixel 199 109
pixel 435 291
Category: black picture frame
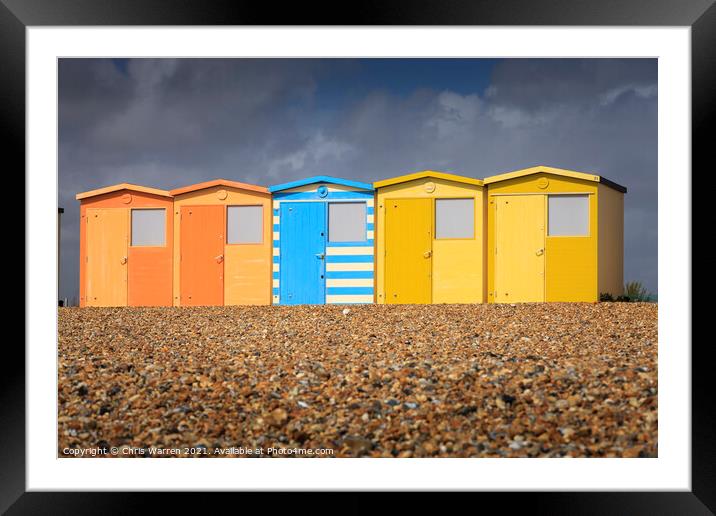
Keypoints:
pixel 17 15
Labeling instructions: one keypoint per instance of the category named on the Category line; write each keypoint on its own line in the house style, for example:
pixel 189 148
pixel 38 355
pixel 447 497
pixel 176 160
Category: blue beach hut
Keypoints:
pixel 322 241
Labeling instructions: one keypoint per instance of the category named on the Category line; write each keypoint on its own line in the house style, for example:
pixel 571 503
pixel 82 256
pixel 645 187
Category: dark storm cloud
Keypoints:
pixel 167 123
pixel 533 84
pixel 185 114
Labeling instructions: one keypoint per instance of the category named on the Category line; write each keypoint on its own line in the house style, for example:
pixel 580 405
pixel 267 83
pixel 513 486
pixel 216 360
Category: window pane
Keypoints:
pixel 148 227
pixel 346 221
pixel 454 218
pixel 568 215
pixel 244 224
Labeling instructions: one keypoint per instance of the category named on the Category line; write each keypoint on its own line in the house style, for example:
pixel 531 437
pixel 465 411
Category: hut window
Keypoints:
pixel 346 222
pixel 568 215
pixel 148 227
pixel 454 218
pixel 243 224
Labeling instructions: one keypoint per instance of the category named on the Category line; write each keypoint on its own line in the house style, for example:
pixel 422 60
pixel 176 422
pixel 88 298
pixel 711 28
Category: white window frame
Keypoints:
pixel 261 223
pixel 474 225
pixel 328 220
pixel 589 213
pixel 131 226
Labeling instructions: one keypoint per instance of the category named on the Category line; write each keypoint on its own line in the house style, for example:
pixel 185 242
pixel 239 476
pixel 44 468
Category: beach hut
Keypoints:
pixel 222 244
pixel 430 239
pixel 125 246
pixel 323 241
pixel 554 235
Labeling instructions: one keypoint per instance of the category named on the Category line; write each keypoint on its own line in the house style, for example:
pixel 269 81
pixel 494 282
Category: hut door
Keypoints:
pixel 107 232
pixel 201 280
pixel 519 248
pixel 408 257
pixel 303 253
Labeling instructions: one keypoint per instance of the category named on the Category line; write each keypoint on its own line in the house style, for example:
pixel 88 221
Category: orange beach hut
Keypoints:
pixel 222 244
pixel 125 246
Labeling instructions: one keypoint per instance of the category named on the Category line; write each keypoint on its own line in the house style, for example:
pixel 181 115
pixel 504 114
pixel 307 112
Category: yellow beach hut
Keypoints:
pixel 430 239
pixel 554 235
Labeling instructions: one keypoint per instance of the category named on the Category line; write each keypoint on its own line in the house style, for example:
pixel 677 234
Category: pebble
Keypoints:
pixel 278 417
pixel 357 445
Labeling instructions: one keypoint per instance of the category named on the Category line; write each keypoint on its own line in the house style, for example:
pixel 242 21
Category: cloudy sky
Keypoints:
pixel 167 123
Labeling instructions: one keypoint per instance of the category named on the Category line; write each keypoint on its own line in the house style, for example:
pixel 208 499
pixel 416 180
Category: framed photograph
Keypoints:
pixel 423 249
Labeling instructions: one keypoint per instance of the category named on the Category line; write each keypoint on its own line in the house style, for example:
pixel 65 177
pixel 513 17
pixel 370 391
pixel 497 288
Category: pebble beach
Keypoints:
pixel 524 380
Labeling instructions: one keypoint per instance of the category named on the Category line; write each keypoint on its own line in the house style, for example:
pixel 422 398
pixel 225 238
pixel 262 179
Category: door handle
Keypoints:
pixel 219 258
pixel 123 260
pixel 539 252
pixel 427 254
pixel 320 256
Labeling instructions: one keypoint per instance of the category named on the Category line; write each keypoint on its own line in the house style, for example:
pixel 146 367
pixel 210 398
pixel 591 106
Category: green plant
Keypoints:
pixel 605 296
pixel 635 291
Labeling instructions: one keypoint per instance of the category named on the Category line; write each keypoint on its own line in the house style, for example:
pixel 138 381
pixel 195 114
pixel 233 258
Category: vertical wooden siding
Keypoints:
pixel 201 259
pixel 519 248
pixel 408 262
pixel 611 241
pixel 106 257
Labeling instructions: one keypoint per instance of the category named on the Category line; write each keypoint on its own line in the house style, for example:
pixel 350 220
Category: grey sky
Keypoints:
pixel 167 123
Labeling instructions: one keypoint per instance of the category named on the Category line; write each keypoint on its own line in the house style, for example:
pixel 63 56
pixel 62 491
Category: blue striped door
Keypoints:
pixel 303 246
